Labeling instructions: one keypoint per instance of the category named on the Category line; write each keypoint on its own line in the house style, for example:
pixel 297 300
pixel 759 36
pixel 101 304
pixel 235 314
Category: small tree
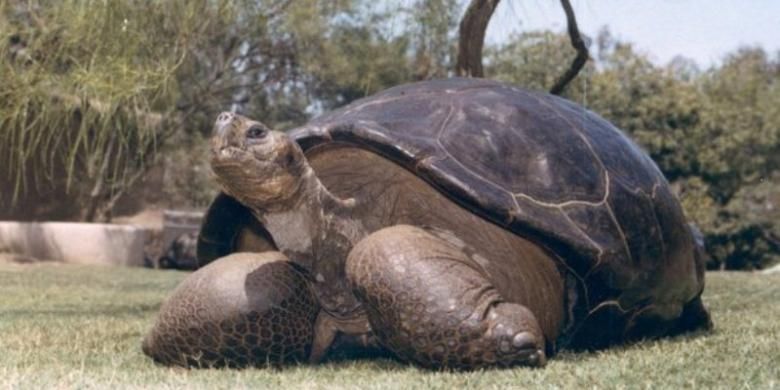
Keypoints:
pixel 85 96
pixel 93 89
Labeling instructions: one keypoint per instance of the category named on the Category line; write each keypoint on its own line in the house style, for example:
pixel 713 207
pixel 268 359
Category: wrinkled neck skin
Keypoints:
pixel 314 228
pixel 310 220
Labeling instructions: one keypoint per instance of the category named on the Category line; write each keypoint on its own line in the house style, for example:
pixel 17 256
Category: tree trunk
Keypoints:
pixel 578 44
pixel 97 195
pixel 472 37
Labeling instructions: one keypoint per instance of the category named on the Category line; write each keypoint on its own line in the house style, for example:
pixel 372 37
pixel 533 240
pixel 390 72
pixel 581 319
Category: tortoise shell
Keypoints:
pixel 538 165
pixel 543 167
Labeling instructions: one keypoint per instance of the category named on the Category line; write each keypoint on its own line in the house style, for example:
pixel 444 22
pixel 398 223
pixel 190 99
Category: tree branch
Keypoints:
pixel 578 44
pixel 471 37
pixel 100 179
pixel 103 212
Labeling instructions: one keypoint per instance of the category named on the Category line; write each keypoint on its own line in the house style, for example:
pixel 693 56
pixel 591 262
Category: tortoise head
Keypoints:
pixel 261 168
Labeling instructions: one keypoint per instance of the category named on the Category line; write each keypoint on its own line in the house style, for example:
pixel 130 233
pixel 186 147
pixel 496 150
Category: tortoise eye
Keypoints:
pixel 256 132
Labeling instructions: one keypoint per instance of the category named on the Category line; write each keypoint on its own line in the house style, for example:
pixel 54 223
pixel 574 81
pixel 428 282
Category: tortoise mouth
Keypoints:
pixel 236 155
pixel 229 151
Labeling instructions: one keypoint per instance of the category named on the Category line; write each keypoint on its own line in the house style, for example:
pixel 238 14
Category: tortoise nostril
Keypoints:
pixel 224 117
pixel 222 122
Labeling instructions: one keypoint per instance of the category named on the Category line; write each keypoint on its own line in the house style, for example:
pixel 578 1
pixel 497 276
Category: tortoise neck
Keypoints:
pixel 308 221
pixel 317 232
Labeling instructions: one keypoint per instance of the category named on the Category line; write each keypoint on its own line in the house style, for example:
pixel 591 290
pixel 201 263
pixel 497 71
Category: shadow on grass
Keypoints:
pixel 383 360
pixel 583 355
pixel 381 364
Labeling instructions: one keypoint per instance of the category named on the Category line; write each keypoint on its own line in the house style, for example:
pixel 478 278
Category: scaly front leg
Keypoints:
pixel 429 303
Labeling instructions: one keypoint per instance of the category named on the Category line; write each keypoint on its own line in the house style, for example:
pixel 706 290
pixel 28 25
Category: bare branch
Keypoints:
pixel 471 37
pixel 100 180
pixel 578 44
pixel 103 212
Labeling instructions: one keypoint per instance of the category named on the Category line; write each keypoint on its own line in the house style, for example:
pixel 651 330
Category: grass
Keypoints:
pixel 67 326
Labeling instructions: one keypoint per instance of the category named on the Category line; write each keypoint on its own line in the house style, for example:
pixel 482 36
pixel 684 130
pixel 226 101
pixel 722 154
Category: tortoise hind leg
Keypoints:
pixel 430 304
pixel 246 309
pixel 694 317
pixel 654 321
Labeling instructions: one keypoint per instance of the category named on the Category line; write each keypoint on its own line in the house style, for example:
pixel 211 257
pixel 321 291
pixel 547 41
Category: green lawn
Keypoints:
pixel 66 326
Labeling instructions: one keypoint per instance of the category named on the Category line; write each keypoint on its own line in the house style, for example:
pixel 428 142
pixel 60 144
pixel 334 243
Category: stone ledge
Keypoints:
pixel 80 243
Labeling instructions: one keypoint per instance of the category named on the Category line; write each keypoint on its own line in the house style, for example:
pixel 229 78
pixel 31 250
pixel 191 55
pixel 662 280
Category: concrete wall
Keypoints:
pixel 82 243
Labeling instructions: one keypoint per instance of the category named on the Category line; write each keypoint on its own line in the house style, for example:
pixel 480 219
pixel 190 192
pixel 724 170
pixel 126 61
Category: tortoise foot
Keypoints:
pixel 431 305
pixel 695 317
pixel 516 323
pixel 246 309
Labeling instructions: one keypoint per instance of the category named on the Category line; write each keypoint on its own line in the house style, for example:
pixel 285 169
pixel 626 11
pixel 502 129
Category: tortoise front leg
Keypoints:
pixel 246 309
pixel 429 303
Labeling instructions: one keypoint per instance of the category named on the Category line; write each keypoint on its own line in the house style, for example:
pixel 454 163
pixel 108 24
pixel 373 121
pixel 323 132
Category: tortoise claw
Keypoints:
pixel 524 340
pixel 524 345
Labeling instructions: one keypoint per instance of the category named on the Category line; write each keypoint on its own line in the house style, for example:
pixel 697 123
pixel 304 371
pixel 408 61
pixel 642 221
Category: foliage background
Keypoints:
pixel 99 99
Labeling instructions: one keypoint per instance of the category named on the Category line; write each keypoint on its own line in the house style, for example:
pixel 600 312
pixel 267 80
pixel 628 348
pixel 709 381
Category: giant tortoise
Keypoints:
pixel 457 223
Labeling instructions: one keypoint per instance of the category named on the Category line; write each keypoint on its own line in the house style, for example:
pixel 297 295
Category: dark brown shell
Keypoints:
pixel 541 166
pixel 224 223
